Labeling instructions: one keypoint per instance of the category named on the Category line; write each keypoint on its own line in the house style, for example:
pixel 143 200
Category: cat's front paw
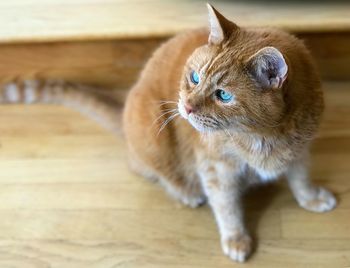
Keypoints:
pixel 238 247
pixel 321 201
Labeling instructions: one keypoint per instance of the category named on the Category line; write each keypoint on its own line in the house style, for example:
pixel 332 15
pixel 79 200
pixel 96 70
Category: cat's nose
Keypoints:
pixel 189 108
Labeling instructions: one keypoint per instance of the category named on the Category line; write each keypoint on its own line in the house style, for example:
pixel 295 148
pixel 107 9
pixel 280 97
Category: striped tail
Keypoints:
pixel 87 100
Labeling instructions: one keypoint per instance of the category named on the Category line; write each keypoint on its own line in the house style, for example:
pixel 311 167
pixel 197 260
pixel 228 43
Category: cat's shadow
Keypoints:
pixel 257 202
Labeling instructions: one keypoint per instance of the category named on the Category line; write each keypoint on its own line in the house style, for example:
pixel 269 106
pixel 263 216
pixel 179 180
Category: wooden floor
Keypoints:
pixel 67 199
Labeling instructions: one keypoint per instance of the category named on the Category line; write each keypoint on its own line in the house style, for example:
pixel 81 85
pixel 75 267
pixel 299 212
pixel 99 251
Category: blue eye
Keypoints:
pixel 223 95
pixel 194 78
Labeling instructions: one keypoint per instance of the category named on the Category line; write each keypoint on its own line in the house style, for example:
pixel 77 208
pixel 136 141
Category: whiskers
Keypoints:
pixel 162 103
pixel 167 121
pixel 167 114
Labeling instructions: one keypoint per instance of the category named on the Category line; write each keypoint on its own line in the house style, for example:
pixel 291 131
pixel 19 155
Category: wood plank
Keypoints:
pixel 335 123
pixel 39 20
pixel 122 224
pixel 331 51
pixel 46 120
pixel 297 224
pixel 175 253
pixel 278 196
pixel 89 146
pixel 64 170
pixel 104 63
pixel 140 195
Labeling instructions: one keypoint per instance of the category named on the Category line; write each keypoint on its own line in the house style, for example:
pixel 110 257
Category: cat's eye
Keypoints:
pixel 223 95
pixel 194 78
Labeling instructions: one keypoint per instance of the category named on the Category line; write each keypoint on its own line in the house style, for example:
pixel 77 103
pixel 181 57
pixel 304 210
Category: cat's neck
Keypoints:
pixel 262 152
pixel 253 143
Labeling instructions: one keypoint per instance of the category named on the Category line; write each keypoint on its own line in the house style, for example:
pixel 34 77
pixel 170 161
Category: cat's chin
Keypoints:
pixel 199 127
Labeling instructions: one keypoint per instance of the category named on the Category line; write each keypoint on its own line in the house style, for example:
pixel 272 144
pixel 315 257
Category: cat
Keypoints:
pixel 213 113
pixel 216 112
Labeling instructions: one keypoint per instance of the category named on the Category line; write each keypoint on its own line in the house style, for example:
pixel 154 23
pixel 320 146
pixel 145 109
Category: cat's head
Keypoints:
pixel 232 82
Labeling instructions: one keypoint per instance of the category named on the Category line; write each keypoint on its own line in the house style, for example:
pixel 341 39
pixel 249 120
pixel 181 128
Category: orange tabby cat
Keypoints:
pixel 212 114
pixel 249 103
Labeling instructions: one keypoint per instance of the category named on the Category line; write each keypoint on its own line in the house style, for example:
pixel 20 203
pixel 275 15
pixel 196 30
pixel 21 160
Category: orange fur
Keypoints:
pixel 215 150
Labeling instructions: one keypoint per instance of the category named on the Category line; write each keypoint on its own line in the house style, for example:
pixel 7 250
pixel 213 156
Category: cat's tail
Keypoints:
pixel 90 101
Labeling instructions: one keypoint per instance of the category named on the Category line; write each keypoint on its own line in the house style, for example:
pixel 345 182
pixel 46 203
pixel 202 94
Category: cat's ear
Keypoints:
pixel 220 27
pixel 268 68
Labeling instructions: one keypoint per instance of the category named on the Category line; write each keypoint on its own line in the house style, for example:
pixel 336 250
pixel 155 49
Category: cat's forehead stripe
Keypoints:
pixel 212 62
pixel 204 67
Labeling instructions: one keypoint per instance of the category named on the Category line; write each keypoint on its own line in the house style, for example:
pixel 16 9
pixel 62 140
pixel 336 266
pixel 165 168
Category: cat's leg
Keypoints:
pixel 224 191
pixel 308 196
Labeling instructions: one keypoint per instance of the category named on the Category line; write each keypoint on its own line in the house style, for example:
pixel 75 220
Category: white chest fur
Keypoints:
pixel 267 175
pixel 259 157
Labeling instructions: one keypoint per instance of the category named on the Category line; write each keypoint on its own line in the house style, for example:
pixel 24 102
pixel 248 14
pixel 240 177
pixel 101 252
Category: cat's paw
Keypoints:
pixel 188 194
pixel 321 201
pixel 237 247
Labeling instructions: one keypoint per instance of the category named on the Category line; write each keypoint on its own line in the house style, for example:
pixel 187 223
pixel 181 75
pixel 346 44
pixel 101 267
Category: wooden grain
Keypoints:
pixel 300 224
pixel 67 199
pixel 58 20
pixel 104 63
pixel 331 51
pixel 160 253
pixel 118 63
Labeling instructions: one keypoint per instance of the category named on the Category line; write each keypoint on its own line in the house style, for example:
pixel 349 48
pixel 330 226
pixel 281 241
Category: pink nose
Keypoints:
pixel 188 108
